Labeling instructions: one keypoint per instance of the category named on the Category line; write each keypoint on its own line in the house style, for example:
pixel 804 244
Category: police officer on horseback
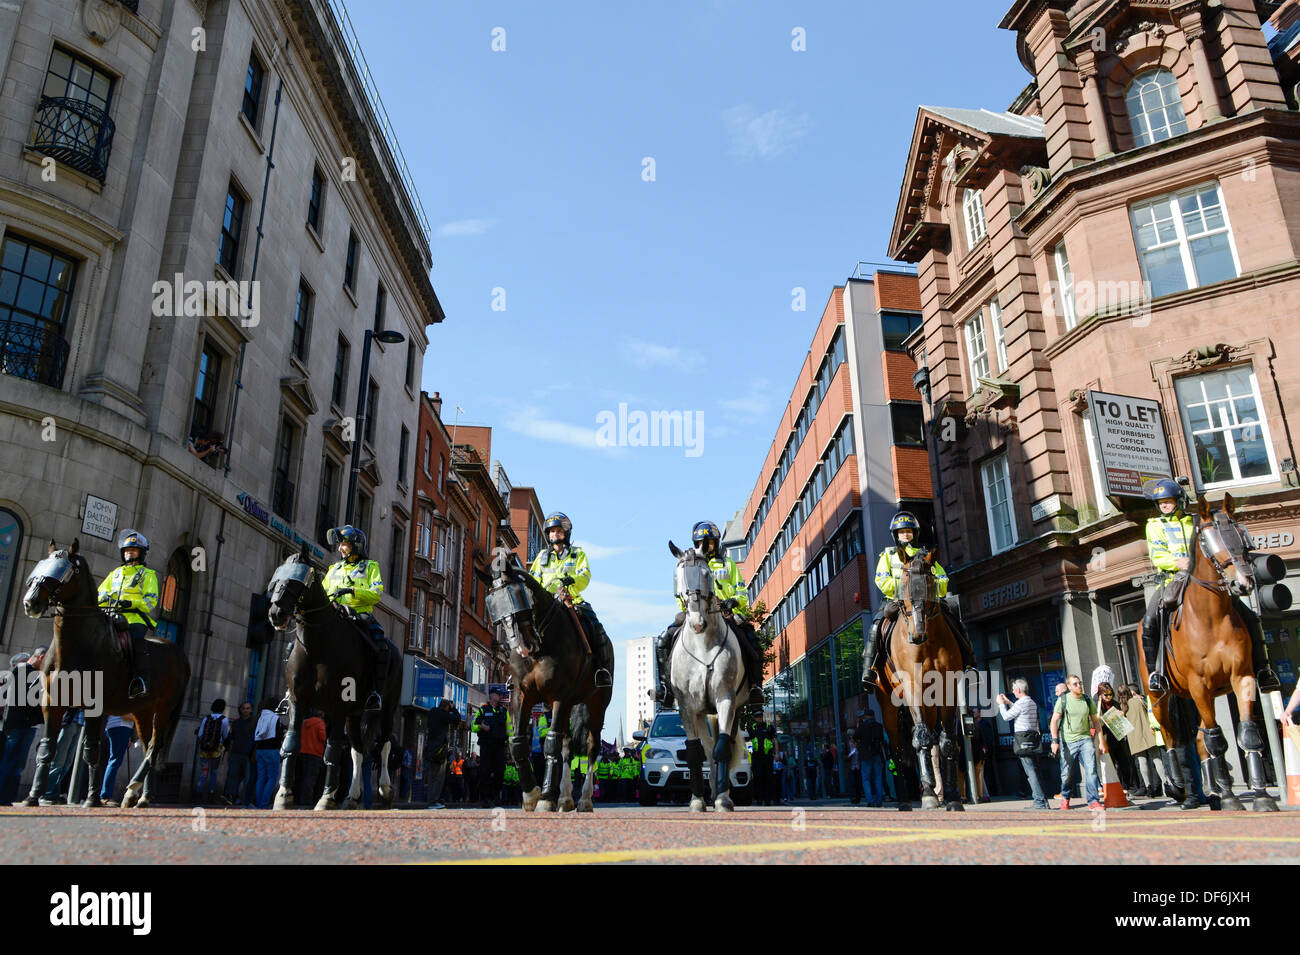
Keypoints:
pixel 563 570
pixel 889 577
pixel 354 583
pixel 729 586
pixel 130 595
pixel 1169 539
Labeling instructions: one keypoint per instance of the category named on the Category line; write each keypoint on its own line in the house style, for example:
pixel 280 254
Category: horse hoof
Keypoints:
pixel 32 801
pixel 348 804
pixel 1232 803
pixel 929 802
pixel 325 805
pixel 697 804
pixel 586 806
pixel 545 805
pixel 566 804
pixel 530 798
pixel 904 807
pixel 91 803
pixel 1263 803
pixel 142 803
pixel 283 800
pixel 723 804
pixel 954 807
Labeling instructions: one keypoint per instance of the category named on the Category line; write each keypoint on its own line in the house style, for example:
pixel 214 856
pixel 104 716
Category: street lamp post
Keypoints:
pixel 358 429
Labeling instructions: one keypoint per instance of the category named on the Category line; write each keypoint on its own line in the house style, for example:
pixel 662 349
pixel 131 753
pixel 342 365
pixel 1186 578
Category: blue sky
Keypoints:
pixel 773 169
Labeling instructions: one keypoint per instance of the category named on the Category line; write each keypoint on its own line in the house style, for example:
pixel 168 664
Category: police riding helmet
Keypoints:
pixel 704 532
pixel 134 539
pixel 353 535
pixel 560 520
pixel 1166 489
pixel 904 521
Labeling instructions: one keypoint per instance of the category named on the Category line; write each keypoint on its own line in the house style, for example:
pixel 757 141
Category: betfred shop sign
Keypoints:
pixel 1131 443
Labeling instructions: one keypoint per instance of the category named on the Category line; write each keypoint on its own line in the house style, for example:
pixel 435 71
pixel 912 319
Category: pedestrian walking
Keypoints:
pixel 761 749
pixel 1074 727
pixel 22 715
pixel 239 767
pixel 311 760
pixel 266 745
pixel 490 725
pixel 1069 773
pixel 65 755
pixel 870 739
pixel 1142 745
pixel 212 733
pixel 1117 747
pixel 442 721
pixel 119 730
pixel 1028 740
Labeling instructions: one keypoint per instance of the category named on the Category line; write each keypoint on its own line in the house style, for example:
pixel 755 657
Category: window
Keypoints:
pixel 410 364
pixel 1065 287
pixel 339 391
pixel 350 263
pixel 424 533
pixel 442 463
pixel 997 503
pixel 252 105
pixel 906 420
pixel 999 334
pixel 1226 432
pixel 1184 240
pixel 1104 506
pixel 327 510
pixel 316 199
pixel 302 321
pixel 403 447
pixel 372 411
pixel 896 327
pixel 977 353
pixel 396 553
pixel 36 287
pixel 232 226
pixel 972 207
pixel 174 598
pixel 71 77
pixel 364 507
pixel 381 304
pixel 72 124
pixel 1155 109
pixel 204 414
pixel 415 636
pixel 281 486
pixel 428 449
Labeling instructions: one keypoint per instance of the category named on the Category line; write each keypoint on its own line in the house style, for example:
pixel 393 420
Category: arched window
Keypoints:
pixel 1155 109
pixel 972 207
pixel 11 549
pixel 174 597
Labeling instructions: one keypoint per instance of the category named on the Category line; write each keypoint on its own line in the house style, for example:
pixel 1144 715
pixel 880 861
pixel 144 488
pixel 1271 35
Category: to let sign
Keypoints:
pixel 100 519
pixel 1131 442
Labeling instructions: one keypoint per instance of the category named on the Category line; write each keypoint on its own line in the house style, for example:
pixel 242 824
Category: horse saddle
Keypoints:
pixel 122 630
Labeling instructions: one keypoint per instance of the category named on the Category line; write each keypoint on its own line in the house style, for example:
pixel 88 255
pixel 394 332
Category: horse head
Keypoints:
pixel 693 585
pixel 288 584
pixel 56 580
pixel 510 605
pixel 1223 542
pixel 918 591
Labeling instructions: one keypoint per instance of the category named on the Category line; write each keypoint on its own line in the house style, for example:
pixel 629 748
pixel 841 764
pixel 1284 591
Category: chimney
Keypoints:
pixel 436 401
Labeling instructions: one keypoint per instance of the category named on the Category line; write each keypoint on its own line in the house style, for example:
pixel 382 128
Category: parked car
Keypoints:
pixel 664 775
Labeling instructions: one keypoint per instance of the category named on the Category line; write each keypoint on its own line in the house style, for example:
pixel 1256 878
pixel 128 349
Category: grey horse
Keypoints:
pixel 707 674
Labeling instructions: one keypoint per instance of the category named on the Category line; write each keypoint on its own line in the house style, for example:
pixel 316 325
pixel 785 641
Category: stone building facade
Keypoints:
pixel 136 184
pixel 1130 226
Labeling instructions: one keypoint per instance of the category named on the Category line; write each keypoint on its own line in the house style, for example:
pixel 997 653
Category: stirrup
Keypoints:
pixel 137 689
pixel 1156 683
pixel 282 708
pixel 374 702
pixel 603 678
pixel 1266 680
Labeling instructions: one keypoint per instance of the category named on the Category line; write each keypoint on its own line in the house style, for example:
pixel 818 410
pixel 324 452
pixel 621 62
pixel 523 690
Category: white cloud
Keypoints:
pixel 601 551
pixel 464 227
pixel 530 421
pixel 751 405
pixel 763 135
pixel 632 611
pixel 645 354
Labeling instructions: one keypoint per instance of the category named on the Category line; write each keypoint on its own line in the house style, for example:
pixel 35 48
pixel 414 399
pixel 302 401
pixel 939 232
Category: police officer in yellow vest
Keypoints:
pixel 563 570
pixel 729 586
pixel 131 590
pixel 889 577
pixel 356 584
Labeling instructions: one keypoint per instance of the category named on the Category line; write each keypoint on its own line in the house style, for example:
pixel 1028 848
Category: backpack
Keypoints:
pixel 210 744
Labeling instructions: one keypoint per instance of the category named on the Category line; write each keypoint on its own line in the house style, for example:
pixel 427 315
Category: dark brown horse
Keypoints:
pixel 328 670
pixel 1209 655
pixel 550 664
pixel 86 669
pixel 919 687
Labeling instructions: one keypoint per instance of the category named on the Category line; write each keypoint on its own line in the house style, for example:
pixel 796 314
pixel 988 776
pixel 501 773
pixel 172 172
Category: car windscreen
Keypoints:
pixel 668 724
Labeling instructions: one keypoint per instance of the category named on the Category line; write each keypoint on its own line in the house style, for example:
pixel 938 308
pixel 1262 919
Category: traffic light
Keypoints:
pixel 259 628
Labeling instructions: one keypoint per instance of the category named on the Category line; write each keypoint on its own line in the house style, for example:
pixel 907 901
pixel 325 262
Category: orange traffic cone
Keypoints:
pixel 1112 790
pixel 1291 756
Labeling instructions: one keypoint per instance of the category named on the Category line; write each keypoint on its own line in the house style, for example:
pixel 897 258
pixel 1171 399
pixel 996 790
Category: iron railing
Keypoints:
pixel 35 351
pixel 74 132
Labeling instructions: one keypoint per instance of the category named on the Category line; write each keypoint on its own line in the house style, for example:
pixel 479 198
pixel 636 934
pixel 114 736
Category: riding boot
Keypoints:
pixel 602 651
pixel 140 665
pixel 1151 640
pixel 663 650
pixel 870 676
pixel 753 666
pixel 1265 677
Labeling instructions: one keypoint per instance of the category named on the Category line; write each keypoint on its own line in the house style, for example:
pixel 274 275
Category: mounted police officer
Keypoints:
pixel 563 570
pixel 1169 539
pixel 889 577
pixel 729 586
pixel 354 582
pixel 130 594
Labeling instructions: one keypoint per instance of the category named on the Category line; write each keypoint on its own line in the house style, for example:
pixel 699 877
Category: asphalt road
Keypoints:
pixel 994 833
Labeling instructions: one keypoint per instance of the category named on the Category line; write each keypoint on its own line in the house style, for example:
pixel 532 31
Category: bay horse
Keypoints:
pixel 328 669
pixel 549 663
pixel 86 668
pixel 707 674
pixel 1209 655
pixel 917 687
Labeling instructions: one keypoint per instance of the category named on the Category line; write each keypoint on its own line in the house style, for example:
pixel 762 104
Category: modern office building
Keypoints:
pixel 639 681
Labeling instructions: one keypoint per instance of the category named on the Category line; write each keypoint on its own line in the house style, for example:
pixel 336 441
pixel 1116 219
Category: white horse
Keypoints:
pixel 707 674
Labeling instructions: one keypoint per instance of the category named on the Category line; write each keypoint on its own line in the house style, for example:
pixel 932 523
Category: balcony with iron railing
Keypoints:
pixel 36 351
pixel 74 132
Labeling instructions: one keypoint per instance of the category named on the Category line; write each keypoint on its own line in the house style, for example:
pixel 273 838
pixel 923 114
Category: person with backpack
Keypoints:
pixel 870 739
pixel 1023 717
pixel 213 732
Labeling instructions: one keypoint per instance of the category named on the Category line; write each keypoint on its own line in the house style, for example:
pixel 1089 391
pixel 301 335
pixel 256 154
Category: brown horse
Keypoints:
pixel 85 669
pixel 918 687
pixel 1209 654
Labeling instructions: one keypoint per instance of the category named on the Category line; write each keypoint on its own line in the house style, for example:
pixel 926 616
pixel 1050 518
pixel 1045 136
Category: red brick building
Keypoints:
pixel 848 452
pixel 1129 225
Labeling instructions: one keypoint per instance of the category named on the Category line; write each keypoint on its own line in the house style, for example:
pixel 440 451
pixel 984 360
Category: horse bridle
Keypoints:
pixel 1222 585
pixel 930 585
pixel 56 607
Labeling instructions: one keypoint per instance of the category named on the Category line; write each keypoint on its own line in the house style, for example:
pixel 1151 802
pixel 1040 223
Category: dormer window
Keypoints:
pixel 972 207
pixel 1155 108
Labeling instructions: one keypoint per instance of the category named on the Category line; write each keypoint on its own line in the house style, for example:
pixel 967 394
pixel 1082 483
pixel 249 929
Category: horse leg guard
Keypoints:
pixel 722 764
pixel 288 768
pixel 90 755
pixel 1175 785
pixel 521 757
pixel 333 751
pixel 554 749
pixel 695 763
pixel 1251 743
pixel 44 753
pixel 1216 745
pixel 921 743
pixel 948 752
